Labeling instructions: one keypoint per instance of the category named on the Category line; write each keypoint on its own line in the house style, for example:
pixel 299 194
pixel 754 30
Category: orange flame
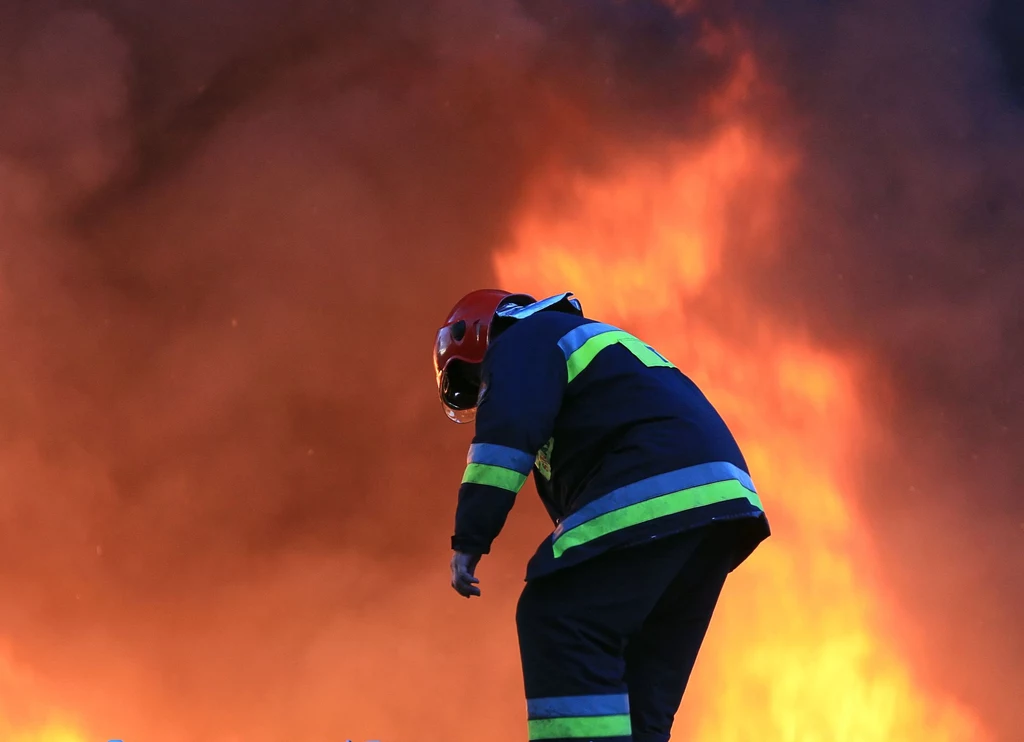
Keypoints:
pixel 798 651
pixel 21 721
pixel 51 732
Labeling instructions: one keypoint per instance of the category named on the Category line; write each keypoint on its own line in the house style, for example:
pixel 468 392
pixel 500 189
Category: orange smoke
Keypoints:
pixel 799 651
pixel 226 519
pixel 24 716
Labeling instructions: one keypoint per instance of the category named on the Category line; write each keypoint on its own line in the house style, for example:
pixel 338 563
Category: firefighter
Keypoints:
pixel 651 499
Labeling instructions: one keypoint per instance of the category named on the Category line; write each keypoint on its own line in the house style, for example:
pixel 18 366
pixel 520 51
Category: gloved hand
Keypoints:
pixel 463 566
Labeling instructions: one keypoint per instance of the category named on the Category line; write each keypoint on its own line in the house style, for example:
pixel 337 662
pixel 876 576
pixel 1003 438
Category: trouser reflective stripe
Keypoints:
pixel 573 624
pixel 579 717
pixel 583 727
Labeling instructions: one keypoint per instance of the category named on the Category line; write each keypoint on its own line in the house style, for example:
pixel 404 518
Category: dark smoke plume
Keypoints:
pixel 226 239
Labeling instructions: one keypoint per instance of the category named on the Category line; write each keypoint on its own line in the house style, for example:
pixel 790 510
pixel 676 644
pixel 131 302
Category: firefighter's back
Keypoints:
pixel 629 418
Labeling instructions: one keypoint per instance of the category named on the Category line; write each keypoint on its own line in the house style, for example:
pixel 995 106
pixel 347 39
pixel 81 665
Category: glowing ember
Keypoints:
pixel 798 652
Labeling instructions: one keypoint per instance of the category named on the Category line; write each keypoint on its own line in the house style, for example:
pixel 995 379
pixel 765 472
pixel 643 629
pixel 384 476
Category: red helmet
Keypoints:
pixel 460 346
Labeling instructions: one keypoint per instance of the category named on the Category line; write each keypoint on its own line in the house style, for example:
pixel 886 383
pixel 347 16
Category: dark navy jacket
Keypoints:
pixel 624 448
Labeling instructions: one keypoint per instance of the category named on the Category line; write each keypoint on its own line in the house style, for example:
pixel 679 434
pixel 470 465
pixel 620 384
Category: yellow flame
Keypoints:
pixel 797 652
pixel 23 716
pixel 53 732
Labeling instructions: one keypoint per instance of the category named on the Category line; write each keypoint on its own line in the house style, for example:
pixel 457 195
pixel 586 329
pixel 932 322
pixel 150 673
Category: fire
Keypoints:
pixel 658 242
pixel 22 717
pixel 52 732
pixel 798 651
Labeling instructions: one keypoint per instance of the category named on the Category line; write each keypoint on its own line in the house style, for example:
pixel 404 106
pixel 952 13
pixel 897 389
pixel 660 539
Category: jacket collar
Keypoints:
pixel 560 302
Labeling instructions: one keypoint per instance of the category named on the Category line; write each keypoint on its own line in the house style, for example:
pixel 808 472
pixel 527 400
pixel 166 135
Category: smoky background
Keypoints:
pixel 226 241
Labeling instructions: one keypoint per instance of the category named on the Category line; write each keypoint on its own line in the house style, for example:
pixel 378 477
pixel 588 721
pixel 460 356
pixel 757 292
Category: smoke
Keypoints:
pixel 226 240
pixel 905 241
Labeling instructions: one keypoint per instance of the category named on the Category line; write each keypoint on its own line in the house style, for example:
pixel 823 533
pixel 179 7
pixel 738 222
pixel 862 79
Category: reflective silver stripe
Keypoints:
pixel 574 339
pixel 577 706
pixel 662 484
pixel 582 345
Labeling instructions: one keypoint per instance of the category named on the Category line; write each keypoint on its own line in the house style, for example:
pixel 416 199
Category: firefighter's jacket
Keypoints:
pixel 624 448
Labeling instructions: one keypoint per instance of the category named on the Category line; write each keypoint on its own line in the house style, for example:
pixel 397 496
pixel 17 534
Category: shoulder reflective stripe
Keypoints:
pixel 646 354
pixel 585 728
pixel 575 339
pixel 582 356
pixel 554 708
pixel 503 456
pixel 659 355
pixel 581 346
pixel 494 476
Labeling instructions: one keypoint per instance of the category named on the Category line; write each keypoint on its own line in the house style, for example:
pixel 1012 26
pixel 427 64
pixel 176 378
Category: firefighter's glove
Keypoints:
pixel 463 566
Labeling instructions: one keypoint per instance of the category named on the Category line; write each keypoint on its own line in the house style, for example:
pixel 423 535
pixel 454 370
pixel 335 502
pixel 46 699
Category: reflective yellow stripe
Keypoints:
pixel 583 344
pixel 646 354
pixel 581 727
pixel 586 353
pixel 494 476
pixel 649 509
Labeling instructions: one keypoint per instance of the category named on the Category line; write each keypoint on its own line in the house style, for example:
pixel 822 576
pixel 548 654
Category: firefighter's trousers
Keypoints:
pixel 608 645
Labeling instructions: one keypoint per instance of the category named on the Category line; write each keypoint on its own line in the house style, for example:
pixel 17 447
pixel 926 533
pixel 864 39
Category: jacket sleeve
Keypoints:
pixel 524 378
